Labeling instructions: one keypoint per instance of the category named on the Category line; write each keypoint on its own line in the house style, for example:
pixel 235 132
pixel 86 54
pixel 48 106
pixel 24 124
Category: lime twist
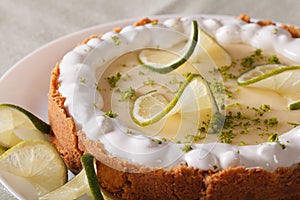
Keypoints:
pixel 282 79
pixel 145 55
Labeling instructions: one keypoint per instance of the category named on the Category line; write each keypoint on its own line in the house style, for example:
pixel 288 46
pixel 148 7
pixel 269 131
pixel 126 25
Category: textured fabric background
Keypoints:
pixel 26 25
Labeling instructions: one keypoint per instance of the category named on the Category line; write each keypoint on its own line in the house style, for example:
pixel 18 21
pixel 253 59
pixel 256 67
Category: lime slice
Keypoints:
pixel 283 79
pixel 17 124
pixel 36 163
pixel 152 107
pixel 205 53
pixel 148 106
pixel 148 57
pixel 85 182
pixel 275 73
pixel 218 55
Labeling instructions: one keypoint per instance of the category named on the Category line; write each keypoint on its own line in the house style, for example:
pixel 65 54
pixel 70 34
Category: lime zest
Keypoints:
pixel 110 114
pixel 88 163
pixel 190 47
pixel 37 122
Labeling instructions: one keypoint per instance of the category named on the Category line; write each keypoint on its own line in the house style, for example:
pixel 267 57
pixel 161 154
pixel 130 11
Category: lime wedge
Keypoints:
pixel 37 163
pixel 283 79
pixel 148 57
pixel 85 182
pixel 17 124
pixel 152 107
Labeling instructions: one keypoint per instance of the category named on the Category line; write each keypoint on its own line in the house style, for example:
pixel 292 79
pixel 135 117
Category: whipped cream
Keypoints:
pixel 81 68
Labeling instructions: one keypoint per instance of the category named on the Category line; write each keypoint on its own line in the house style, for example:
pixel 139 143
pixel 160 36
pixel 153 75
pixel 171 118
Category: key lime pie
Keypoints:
pixel 184 108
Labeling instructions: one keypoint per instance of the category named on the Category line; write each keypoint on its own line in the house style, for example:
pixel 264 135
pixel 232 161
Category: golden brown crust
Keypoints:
pixel 241 183
pixel 181 182
pixel 65 138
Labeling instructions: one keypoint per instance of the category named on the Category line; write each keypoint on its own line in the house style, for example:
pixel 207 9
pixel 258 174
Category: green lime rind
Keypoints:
pixel 37 122
pixel 266 75
pixel 87 161
pixel 180 61
pixel 294 105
